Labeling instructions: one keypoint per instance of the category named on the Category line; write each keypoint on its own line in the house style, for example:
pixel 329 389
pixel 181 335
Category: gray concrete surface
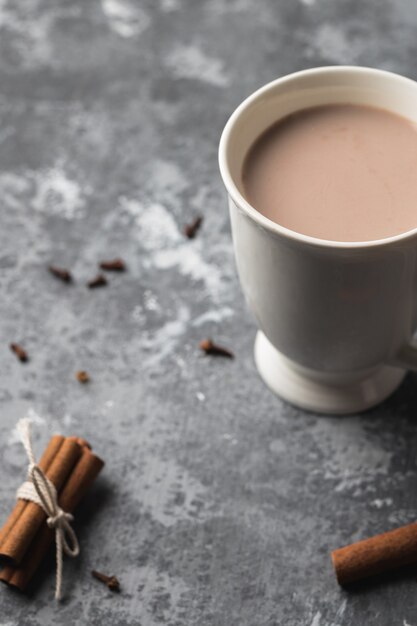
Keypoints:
pixel 219 504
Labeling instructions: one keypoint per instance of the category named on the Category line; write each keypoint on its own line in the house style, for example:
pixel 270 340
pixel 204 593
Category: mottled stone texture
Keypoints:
pixel 219 503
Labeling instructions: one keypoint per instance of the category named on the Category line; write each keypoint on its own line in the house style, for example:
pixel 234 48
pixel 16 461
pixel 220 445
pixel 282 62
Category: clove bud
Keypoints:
pixel 99 281
pixel 61 273
pixel 190 230
pixel 116 265
pixel 111 581
pixel 209 347
pixel 19 352
pixel 82 377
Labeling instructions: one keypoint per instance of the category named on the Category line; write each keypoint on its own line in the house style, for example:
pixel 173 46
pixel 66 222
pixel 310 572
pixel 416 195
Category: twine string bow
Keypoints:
pixel 40 490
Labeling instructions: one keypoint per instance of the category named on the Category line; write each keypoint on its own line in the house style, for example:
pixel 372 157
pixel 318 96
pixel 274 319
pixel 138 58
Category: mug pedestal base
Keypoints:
pixel 333 393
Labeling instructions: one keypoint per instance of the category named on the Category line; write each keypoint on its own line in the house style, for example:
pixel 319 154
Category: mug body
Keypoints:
pixel 331 312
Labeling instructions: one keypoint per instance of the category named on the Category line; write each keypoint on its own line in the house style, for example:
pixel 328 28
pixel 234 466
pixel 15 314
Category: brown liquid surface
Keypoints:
pixel 338 172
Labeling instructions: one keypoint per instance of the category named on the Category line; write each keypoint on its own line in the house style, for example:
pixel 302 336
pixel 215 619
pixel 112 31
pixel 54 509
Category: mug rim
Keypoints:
pixel 261 219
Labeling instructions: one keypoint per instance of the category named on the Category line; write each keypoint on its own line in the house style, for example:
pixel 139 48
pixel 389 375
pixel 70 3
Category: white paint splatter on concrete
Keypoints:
pixel 151 302
pixel 162 342
pixel 331 42
pixel 316 619
pixel 401 517
pixel 220 7
pixel 67 419
pixel 192 63
pixel 231 439
pixel 168 6
pixel 165 180
pixel 57 194
pixel 180 362
pixel 379 503
pixel 33 417
pixel 11 181
pixel 215 316
pixel 341 610
pixel 156 226
pixel 138 314
pixel 31 28
pixel 125 18
pixel 30 32
pixel 158 233
pixel 189 261
pixel 13 189
pixel 107 407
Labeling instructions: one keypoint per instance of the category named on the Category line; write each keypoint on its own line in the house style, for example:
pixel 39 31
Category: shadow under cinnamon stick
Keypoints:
pixel 394 577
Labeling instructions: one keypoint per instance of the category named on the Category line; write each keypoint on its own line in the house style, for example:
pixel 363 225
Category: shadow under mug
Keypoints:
pixel 336 318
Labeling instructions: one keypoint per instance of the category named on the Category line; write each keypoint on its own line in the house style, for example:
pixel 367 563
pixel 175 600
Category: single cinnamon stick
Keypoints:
pixel 376 555
pixel 81 442
pixel 81 478
pixel 20 535
pixel 51 450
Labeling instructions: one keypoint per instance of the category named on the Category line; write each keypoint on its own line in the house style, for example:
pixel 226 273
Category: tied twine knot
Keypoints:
pixel 40 490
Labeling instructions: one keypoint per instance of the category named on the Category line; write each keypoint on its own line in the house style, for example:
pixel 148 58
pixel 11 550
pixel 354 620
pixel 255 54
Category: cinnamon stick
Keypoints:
pixel 31 516
pixel 82 476
pixel 51 450
pixel 374 556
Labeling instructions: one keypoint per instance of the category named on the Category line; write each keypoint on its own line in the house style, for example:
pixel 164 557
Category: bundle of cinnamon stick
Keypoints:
pixel 25 538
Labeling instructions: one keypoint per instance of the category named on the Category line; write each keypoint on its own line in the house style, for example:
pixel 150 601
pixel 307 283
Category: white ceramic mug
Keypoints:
pixel 336 319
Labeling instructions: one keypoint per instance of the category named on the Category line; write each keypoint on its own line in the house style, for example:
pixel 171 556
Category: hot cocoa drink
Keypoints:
pixel 339 172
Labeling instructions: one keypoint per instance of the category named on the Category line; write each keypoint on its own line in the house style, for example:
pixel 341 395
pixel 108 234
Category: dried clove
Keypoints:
pixel 111 581
pixel 209 347
pixel 19 352
pixel 61 273
pixel 82 377
pixel 99 281
pixel 116 265
pixel 190 230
